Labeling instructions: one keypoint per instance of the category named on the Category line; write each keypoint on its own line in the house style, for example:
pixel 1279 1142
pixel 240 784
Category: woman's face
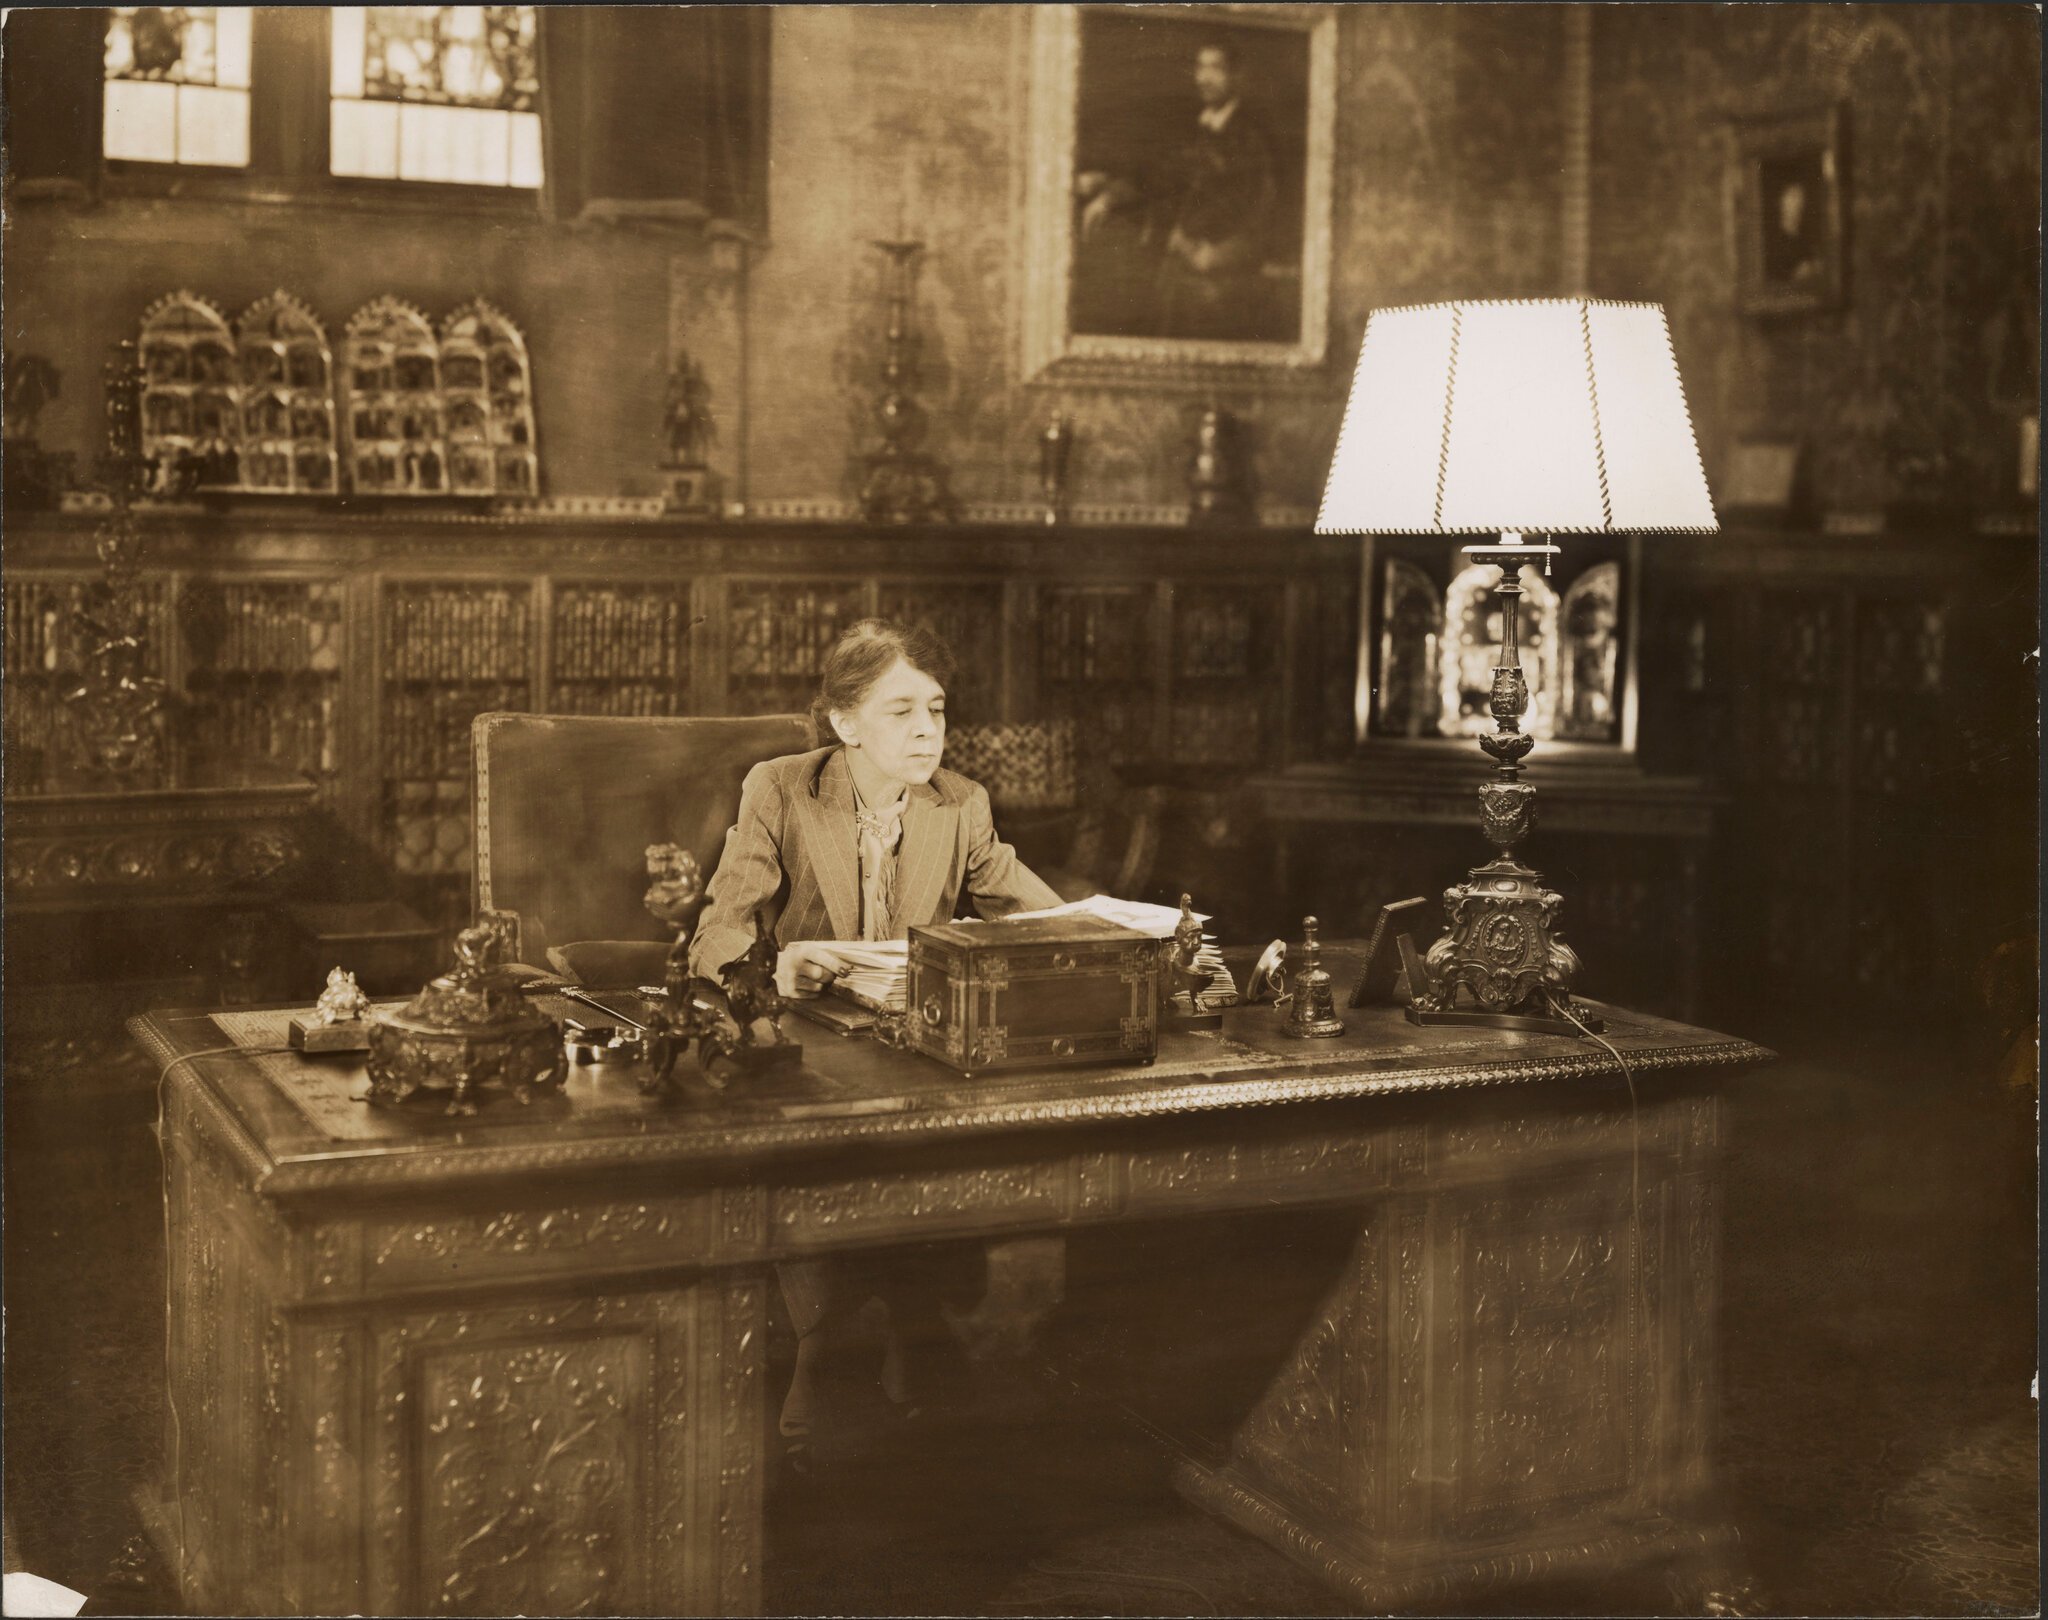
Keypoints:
pixel 900 726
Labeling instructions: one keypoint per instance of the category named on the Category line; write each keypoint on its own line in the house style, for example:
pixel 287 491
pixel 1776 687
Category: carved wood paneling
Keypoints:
pixel 525 1455
pixel 614 1234
pixel 1543 1317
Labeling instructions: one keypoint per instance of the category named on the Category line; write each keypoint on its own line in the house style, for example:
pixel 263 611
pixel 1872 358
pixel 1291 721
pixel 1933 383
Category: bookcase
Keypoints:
pixel 356 647
pixel 1866 704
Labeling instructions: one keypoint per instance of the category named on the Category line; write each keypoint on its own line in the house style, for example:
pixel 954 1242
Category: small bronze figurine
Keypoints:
pixel 342 1001
pixel 1312 1013
pixel 1186 974
pixel 339 1020
pixel 752 1039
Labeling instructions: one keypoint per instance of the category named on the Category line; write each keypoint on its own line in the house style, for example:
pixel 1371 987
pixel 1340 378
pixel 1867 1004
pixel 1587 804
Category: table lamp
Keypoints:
pixel 1510 418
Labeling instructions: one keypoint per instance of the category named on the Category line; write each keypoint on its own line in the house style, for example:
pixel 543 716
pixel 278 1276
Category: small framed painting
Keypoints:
pixel 1178 202
pixel 1789 212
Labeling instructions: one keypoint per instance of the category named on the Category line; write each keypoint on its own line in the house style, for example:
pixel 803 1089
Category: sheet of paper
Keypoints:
pixel 23 1593
pixel 1145 917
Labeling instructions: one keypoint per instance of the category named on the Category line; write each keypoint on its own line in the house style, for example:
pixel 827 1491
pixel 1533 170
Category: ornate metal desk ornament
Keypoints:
pixel 339 1021
pixel 1188 976
pixel 738 1020
pixel 751 1038
pixel 467 1038
pixel 1312 1012
pixel 685 1010
pixel 1268 981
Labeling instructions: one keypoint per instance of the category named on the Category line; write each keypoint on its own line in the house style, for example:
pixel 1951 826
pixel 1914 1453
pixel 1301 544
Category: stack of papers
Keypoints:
pixel 1221 990
pixel 870 975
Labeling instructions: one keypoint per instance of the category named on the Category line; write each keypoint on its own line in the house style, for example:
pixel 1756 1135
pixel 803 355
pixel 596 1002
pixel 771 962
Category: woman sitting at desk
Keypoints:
pixel 859 839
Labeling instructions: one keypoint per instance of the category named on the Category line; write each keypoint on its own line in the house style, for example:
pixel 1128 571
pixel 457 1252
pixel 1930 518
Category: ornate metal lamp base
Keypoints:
pixel 1497 949
pixel 1528 1023
pixel 1499 946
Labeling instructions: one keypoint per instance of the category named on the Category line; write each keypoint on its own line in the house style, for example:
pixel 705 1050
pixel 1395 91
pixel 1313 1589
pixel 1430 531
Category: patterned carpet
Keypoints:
pixel 1879 1450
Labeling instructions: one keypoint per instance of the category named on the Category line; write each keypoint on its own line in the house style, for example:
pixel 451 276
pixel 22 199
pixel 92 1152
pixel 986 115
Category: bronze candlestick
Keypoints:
pixel 114 715
pixel 1499 945
pixel 903 484
pixel 1055 444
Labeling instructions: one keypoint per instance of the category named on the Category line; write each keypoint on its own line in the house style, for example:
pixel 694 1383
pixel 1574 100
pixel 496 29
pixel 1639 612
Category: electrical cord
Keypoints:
pixel 1563 1009
pixel 163 1155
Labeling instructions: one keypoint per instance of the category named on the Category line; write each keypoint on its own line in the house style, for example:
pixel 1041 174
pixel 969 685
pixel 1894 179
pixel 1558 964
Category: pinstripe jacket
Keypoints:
pixel 793 856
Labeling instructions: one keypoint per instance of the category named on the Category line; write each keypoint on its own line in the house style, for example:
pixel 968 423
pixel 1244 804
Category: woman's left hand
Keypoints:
pixel 803 970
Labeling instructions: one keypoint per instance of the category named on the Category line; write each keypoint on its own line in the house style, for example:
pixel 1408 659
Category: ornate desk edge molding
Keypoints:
pixel 219 1120
pixel 743 1145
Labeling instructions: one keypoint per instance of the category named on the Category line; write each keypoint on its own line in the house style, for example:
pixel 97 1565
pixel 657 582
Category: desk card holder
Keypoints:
pixel 1384 980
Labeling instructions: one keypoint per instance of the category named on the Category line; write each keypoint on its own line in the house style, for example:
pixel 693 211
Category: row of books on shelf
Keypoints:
pixel 615 634
pixel 621 697
pixel 1095 636
pixel 271 627
pixel 459 634
pixel 787 632
pixel 298 730
pixel 426 733
pixel 40 637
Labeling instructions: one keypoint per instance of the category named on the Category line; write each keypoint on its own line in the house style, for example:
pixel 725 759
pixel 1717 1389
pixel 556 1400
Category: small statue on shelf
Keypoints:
pixel 1219 479
pixel 692 430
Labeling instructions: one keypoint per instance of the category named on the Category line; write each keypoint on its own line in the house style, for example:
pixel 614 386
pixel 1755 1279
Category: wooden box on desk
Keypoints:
pixel 1033 994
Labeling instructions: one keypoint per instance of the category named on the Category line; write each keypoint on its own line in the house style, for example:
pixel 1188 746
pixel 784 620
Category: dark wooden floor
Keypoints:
pixel 1879 1449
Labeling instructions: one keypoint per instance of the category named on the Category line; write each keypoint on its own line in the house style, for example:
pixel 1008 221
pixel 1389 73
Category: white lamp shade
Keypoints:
pixel 1544 416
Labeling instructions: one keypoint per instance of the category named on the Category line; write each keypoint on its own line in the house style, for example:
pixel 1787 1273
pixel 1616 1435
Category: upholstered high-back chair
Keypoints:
pixel 566 805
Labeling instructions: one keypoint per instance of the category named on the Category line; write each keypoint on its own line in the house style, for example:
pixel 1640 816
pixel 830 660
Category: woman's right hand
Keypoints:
pixel 804 968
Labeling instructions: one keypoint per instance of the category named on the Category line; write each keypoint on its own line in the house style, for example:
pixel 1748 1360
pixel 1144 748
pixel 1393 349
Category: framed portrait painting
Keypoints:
pixel 1789 209
pixel 1178 200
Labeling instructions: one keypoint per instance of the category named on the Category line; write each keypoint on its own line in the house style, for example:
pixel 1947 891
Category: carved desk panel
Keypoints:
pixel 516 1364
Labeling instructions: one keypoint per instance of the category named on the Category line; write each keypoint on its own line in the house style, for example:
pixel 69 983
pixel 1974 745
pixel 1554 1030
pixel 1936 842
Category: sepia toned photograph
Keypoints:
pixel 1020 810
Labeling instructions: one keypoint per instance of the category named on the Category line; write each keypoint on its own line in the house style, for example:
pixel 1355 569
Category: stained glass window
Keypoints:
pixel 444 93
pixel 177 84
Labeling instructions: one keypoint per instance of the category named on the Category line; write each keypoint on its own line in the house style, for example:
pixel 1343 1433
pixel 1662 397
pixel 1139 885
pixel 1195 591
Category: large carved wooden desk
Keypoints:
pixel 516 1365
